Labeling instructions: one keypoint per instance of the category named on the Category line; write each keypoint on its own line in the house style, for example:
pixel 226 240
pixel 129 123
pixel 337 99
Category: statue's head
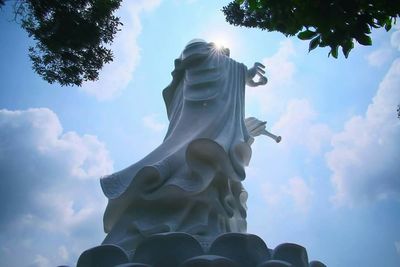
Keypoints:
pixel 196 40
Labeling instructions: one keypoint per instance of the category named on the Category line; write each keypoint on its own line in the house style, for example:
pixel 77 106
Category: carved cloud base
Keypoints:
pixel 183 250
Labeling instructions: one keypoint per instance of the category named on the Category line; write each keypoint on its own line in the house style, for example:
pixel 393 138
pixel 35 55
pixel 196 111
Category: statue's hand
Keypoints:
pixel 257 69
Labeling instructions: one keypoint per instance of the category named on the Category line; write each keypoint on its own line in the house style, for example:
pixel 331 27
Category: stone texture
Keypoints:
pixel 275 263
pixel 209 261
pixel 245 249
pixel 317 264
pixel 133 265
pixel 292 253
pixel 103 256
pixel 183 250
pixel 167 250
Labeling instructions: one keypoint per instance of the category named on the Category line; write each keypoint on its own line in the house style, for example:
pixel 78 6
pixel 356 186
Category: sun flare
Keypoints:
pixel 220 43
pixel 223 37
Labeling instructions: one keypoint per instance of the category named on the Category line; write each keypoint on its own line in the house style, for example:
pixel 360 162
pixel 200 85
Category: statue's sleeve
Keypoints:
pixel 192 54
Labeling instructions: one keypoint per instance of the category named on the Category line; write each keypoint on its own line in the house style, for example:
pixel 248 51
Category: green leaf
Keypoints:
pixel 314 43
pixel 239 2
pixel 388 24
pixel 306 35
pixel 346 48
pixel 252 4
pixel 334 51
pixel 364 39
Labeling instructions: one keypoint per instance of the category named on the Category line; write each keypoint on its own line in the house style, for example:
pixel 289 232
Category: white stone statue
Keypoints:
pixel 192 182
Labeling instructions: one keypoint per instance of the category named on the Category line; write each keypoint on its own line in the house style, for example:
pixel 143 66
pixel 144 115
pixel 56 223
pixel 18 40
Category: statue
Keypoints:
pixel 192 182
pixel 183 205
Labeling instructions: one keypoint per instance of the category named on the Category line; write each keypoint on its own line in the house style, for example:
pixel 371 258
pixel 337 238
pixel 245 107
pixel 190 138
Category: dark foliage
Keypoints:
pixel 398 111
pixel 332 23
pixel 71 37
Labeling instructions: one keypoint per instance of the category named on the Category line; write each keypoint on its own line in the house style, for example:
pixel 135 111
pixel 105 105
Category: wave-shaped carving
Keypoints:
pixel 207 201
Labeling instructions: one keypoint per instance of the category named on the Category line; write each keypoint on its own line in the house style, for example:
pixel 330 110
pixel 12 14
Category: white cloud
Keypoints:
pixel 41 261
pixel 395 39
pixel 63 253
pixel 33 139
pixel 271 194
pixel 300 192
pixel 365 157
pixel 280 68
pixel 186 1
pixel 48 187
pixel 382 55
pixel 62 215
pixel 397 246
pixel 114 77
pixel 151 122
pixel 379 57
pixel 296 190
pixel 298 127
pixel 280 73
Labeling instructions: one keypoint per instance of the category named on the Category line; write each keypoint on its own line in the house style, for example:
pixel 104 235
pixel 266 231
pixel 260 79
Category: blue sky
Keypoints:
pixel 331 185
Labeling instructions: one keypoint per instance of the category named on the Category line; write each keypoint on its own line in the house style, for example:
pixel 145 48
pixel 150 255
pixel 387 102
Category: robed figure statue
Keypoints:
pixel 192 182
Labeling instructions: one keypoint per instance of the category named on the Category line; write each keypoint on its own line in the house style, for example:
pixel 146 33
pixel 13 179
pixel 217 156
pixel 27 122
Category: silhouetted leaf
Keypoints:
pixel 306 35
pixel 335 22
pixel 364 39
pixel 72 37
pixel 252 4
pixel 347 47
pixel 314 43
pixel 334 51
pixel 388 24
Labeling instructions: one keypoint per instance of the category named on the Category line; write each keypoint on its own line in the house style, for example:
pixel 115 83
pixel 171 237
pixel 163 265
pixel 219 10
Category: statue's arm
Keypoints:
pixel 257 69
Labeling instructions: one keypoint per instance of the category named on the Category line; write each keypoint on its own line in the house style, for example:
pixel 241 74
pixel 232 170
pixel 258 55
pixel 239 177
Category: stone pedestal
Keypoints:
pixel 183 250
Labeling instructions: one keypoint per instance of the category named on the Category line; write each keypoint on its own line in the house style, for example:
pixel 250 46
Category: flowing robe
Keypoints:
pixel 192 182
